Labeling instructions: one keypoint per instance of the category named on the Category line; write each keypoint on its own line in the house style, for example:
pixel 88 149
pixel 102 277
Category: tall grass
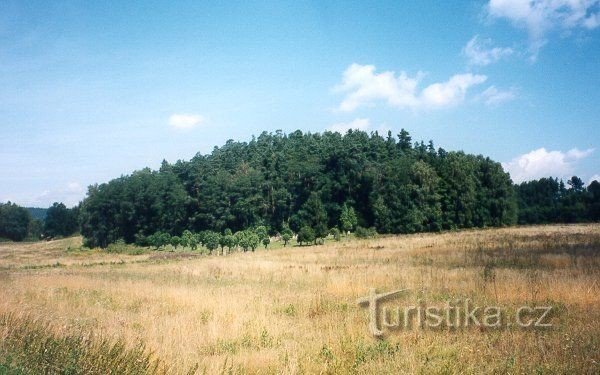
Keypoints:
pixel 28 346
pixel 293 311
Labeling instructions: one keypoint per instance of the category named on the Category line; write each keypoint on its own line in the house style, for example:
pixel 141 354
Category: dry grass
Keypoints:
pixel 293 310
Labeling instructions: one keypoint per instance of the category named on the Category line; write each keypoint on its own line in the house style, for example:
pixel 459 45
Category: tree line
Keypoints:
pixel 303 181
pixel 317 184
pixel 19 223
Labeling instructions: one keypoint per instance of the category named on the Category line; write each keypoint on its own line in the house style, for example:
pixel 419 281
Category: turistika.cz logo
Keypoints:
pixel 457 314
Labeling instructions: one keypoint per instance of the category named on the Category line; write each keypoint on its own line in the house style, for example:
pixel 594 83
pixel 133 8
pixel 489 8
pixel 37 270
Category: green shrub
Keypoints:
pixel 365 232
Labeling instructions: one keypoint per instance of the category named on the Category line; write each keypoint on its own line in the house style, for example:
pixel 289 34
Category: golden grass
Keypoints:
pixel 293 310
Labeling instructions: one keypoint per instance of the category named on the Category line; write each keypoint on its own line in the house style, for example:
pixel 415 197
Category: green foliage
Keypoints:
pixel 348 219
pixel 306 235
pixel 159 239
pixel 35 229
pixel 247 240
pixel 175 241
pixel 313 214
pixel 60 221
pixel 261 232
pixel 188 239
pixel 266 241
pixel 286 235
pixel 548 200
pixel 365 232
pixel 335 233
pixel 14 221
pixel 212 240
pixel 321 181
pixel 229 240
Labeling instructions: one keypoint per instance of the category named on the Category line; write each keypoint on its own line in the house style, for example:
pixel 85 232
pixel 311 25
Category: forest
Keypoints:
pixel 313 184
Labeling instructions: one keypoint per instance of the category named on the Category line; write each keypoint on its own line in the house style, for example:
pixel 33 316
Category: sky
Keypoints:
pixel 90 91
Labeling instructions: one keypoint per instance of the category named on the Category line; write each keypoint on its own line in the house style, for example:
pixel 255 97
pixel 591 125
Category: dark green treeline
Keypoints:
pixel 297 180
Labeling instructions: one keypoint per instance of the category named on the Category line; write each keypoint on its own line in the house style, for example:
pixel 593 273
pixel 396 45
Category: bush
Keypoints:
pixel 247 239
pixel 365 232
pixel 335 233
pixel 286 236
pixel 306 235
pixel 212 240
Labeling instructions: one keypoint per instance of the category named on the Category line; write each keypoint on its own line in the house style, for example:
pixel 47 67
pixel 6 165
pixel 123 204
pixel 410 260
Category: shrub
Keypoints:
pixel 335 233
pixel 306 235
pixel 365 232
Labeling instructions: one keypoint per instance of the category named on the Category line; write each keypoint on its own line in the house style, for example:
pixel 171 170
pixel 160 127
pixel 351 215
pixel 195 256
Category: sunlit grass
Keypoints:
pixel 292 310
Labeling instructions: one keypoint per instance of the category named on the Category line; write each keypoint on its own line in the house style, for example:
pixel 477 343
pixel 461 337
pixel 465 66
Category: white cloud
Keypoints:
pixel 479 52
pixel 450 92
pixel 539 17
pixel 595 177
pixel 493 97
pixel 184 121
pixel 356 124
pixel 542 163
pixel 363 87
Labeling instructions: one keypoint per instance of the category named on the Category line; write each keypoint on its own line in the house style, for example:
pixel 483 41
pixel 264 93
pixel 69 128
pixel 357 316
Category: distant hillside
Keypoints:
pixel 37 213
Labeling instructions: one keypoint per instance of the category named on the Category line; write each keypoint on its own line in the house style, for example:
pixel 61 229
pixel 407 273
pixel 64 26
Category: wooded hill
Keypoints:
pixel 301 180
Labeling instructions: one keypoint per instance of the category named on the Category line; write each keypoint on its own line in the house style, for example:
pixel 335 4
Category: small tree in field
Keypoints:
pixel 248 240
pixel 212 240
pixel 229 240
pixel 266 241
pixel 348 219
pixel 263 235
pixel 286 235
pixel 188 239
pixel 335 233
pixel 175 241
pixel 306 235
pixel 159 239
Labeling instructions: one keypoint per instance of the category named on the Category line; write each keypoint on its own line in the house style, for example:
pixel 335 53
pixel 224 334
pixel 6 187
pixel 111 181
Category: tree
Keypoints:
pixel 14 221
pixel 159 239
pixel 306 235
pixel 35 229
pixel 348 219
pixel 286 235
pixel 248 240
pixel 266 241
pixel 212 240
pixel 60 221
pixel 188 239
pixel 229 240
pixel 313 214
pixel 335 233
pixel 305 179
pixel 576 184
pixel 175 241
pixel 404 140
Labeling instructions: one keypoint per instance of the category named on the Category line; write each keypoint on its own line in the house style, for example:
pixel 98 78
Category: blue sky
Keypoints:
pixel 93 90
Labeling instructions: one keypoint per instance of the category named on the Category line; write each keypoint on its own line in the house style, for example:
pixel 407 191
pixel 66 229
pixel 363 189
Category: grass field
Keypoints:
pixel 293 310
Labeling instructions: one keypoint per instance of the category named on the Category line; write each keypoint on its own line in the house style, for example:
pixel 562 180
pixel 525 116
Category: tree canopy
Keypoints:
pixel 305 179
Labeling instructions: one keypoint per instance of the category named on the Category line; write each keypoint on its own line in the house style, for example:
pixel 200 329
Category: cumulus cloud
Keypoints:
pixel 480 52
pixel 542 163
pixel 363 86
pixel 450 92
pixel 356 124
pixel 184 121
pixel 539 17
pixel 494 97
pixel 595 177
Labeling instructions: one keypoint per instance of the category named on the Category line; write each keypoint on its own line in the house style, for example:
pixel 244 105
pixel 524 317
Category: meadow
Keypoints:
pixel 293 310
